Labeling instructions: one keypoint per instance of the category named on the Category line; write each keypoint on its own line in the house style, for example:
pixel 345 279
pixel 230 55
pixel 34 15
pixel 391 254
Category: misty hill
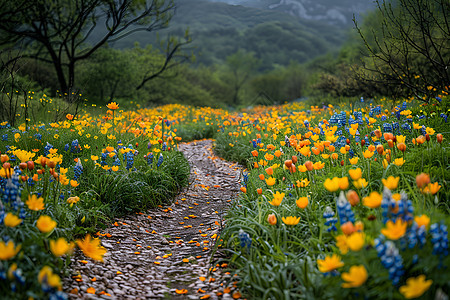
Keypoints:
pixel 219 29
pixel 330 11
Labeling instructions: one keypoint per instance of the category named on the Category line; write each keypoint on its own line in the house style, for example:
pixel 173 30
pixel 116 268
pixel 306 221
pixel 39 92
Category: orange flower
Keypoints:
pixel 269 171
pixel 69 117
pixel 422 180
pixel 302 202
pixel 394 231
pixel 112 106
pixel 309 165
pixel 272 219
pixel 255 153
pixel 352 197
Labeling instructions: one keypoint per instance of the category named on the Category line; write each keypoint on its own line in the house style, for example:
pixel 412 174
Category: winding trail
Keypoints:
pixel 166 250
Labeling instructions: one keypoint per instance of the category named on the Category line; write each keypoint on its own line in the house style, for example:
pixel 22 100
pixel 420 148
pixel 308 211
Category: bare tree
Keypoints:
pixel 411 46
pixel 61 32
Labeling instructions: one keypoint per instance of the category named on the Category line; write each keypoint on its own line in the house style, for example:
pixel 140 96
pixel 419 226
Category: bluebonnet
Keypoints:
pixel 390 259
pixel 444 116
pixel 254 144
pixel 38 136
pixel 258 141
pixel 78 170
pixel 245 240
pixel 439 99
pixel 392 209
pixel 117 162
pixel 306 123
pixel 12 189
pixel 439 238
pixel 344 209
pixel 104 156
pixel 167 123
pixel 406 126
pixel 387 127
pixel 424 130
pixel 164 146
pixel 74 147
pixel 5 137
pixel 330 219
pixel 129 157
pixel 47 149
pixel 383 118
pixel 66 147
pixel 416 235
pixel 160 160
pixel 150 158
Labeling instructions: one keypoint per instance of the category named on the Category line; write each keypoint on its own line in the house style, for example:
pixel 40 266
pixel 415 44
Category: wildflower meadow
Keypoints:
pixel 336 202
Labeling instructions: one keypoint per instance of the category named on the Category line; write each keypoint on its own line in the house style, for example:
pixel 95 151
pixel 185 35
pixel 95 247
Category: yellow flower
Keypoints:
pixel 115 168
pixel 356 241
pixel 35 203
pixel 368 154
pixel 400 139
pixel 430 130
pixel 74 183
pixel 391 182
pixel 432 188
pixel 341 243
pixel 318 165
pixel 105 167
pixel 422 220
pixel 63 171
pixel 355 174
pixel 277 198
pixel 399 161
pixel 343 183
pixel 94 157
pixel 373 200
pixel 270 181
pixel 302 202
pixel 60 247
pixel 47 276
pixel 11 220
pixel 330 263
pixel 354 160
pixel 73 200
pixel 92 248
pixel 290 220
pixel 394 231
pixel 342 150
pixel 45 224
pixel 8 250
pixel 332 185
pixel 356 276
pixel 360 183
pixel 415 287
pixel 303 183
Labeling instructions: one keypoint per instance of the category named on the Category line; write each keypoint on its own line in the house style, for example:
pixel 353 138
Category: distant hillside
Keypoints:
pixel 219 29
pixel 336 12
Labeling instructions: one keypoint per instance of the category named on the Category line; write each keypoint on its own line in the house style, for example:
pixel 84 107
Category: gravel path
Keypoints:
pixel 166 252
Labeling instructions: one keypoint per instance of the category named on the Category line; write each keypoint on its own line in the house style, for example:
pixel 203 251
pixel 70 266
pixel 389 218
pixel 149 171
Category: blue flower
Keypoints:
pixel 245 240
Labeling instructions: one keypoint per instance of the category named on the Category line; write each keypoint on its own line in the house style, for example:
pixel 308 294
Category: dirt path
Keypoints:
pixel 166 250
